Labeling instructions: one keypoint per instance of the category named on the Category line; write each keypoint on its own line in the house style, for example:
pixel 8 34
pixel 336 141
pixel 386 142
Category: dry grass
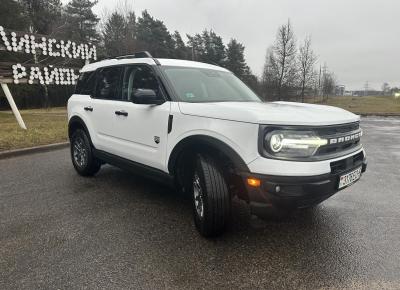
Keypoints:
pixel 44 127
pixel 367 104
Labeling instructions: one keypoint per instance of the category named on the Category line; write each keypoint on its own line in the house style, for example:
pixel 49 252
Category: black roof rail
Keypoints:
pixel 139 54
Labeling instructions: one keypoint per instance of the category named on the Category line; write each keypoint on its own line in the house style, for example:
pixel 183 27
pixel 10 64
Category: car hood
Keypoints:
pixel 277 113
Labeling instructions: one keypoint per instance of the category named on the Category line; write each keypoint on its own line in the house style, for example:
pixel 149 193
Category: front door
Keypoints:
pixel 141 130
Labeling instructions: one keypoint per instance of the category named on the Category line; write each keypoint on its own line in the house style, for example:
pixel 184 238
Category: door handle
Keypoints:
pixel 121 113
pixel 88 109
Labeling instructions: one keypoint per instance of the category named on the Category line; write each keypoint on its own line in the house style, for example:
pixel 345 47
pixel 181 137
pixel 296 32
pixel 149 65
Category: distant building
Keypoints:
pixel 370 92
pixel 339 90
pixel 348 93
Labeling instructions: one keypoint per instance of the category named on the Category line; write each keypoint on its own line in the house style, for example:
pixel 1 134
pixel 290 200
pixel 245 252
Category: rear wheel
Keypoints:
pixel 82 155
pixel 211 198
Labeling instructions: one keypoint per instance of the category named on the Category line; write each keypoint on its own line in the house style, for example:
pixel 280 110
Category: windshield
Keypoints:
pixel 199 85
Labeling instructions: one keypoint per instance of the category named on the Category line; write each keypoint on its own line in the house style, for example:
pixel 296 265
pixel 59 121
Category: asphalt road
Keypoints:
pixel 59 230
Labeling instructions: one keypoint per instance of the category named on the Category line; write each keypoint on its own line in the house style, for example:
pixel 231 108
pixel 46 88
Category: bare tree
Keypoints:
pixel 270 75
pixel 283 58
pixel 385 88
pixel 328 84
pixel 306 62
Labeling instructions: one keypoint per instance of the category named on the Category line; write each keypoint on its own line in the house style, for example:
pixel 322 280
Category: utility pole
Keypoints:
pixel 319 81
pixel 324 72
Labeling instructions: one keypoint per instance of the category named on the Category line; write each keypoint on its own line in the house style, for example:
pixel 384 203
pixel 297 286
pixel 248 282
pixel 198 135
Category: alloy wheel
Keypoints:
pixel 80 152
pixel 198 196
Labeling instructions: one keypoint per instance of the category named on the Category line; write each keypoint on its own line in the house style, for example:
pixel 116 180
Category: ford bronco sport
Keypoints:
pixel 198 127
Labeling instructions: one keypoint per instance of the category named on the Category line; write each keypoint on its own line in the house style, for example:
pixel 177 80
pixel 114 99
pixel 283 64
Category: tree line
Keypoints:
pixel 289 71
pixel 124 33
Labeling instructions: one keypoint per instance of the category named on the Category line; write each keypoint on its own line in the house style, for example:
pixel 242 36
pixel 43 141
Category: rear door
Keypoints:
pixel 141 130
pixel 81 103
pixel 104 103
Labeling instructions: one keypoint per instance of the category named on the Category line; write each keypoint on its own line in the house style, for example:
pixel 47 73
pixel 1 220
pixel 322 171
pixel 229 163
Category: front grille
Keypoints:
pixel 337 148
pixel 338 133
pixel 347 163
pixel 338 129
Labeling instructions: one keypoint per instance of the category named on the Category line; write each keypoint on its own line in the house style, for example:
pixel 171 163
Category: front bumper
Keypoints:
pixel 298 191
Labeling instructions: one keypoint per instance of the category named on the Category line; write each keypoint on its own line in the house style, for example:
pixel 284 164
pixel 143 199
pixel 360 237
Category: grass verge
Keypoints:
pixel 44 127
pixel 366 104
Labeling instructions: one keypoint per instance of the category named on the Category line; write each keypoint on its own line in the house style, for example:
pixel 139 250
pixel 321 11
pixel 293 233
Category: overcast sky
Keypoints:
pixel 358 39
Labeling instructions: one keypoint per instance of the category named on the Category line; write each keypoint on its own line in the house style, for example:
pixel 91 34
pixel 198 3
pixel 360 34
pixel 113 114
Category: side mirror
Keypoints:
pixel 147 97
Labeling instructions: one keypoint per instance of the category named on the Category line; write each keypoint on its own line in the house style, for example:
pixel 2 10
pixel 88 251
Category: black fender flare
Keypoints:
pixel 77 121
pixel 196 141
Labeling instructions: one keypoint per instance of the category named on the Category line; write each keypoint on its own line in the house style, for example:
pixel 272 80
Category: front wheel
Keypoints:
pixel 211 198
pixel 82 155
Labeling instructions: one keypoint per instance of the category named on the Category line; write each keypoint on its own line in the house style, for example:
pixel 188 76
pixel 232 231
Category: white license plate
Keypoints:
pixel 349 178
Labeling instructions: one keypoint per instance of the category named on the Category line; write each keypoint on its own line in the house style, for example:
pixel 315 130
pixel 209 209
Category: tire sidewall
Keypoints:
pixel 213 222
pixel 85 170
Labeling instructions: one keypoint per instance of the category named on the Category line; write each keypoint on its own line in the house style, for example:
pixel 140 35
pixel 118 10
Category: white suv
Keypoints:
pixel 198 127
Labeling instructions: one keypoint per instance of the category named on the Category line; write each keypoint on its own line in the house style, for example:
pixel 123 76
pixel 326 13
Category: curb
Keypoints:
pixel 31 150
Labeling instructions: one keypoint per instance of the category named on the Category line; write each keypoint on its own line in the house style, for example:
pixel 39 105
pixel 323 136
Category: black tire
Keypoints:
pixel 210 189
pixel 82 154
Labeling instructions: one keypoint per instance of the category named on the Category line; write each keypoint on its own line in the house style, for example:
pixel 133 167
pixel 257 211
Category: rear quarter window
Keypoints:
pixel 86 82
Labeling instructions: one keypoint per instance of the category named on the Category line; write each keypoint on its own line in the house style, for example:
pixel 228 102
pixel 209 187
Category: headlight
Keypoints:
pixel 276 142
pixel 292 144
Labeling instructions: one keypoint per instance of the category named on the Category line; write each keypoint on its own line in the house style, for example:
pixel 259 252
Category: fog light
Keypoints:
pixel 277 188
pixel 253 182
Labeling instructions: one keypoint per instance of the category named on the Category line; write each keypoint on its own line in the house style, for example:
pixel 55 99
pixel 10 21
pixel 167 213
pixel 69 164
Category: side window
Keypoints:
pixel 85 85
pixel 108 83
pixel 139 77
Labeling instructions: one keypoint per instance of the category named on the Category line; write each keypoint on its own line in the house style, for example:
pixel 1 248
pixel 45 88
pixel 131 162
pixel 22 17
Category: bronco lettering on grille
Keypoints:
pixel 345 138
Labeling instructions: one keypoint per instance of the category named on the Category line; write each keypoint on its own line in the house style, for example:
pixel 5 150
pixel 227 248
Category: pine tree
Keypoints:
pixel 207 47
pixel 181 51
pixel 152 35
pixel 12 16
pixel 44 16
pixel 235 61
pixel 219 50
pixel 81 22
pixel 196 47
pixel 114 35
pixel 213 48
pixel 251 80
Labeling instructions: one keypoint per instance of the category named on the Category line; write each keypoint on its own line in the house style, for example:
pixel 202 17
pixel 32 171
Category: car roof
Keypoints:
pixel 150 61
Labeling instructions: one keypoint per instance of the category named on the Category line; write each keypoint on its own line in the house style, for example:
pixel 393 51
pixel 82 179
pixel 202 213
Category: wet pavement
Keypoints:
pixel 59 230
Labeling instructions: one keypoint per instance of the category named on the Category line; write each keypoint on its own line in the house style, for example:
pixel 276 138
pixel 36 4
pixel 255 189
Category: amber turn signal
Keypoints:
pixel 253 182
